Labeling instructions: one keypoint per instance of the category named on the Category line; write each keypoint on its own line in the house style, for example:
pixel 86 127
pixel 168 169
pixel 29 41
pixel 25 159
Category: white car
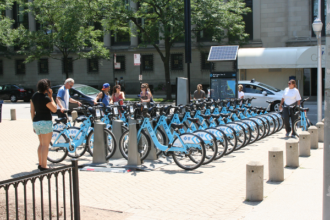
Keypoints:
pixel 262 92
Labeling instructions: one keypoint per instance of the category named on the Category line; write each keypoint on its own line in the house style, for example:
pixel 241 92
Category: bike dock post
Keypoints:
pixel 134 160
pixel 100 151
pixel 152 153
pixel 117 132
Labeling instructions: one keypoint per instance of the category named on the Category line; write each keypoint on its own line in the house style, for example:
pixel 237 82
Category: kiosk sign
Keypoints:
pixel 223 85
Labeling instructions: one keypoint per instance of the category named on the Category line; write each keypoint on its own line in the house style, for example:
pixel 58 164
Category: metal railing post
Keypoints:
pixel 75 183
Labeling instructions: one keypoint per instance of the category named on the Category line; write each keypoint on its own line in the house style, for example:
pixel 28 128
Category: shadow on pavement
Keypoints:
pixel 251 203
pixel 16 175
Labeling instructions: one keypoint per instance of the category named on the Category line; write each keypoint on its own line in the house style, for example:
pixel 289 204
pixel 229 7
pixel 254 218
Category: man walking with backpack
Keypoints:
pixel 104 96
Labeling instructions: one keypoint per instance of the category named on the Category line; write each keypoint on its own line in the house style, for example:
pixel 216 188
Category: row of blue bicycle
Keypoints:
pixel 193 134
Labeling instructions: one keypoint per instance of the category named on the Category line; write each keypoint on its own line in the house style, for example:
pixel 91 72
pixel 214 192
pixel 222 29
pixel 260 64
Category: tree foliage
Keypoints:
pixel 65 26
pixel 163 20
pixel 8 35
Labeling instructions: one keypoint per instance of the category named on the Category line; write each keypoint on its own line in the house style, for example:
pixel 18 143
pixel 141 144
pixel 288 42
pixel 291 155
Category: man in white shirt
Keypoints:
pixel 291 97
pixel 63 98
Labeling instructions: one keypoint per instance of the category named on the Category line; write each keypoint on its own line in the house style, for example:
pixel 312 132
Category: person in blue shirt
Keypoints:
pixel 104 96
pixel 63 98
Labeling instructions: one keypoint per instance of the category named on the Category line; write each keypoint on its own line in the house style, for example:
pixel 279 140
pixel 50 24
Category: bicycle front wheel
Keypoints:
pixel 57 153
pixel 110 142
pixel 144 145
pixel 194 156
pixel 75 135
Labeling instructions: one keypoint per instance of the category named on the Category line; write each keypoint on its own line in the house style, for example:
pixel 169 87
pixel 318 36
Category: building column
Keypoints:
pixel 256 7
pixel 107 39
pixel 32 21
pixel 134 37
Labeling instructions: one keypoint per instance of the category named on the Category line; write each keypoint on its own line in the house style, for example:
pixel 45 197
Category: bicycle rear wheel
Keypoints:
pixel 57 154
pixel 195 155
pixel 210 145
pixel 299 127
pixel 110 142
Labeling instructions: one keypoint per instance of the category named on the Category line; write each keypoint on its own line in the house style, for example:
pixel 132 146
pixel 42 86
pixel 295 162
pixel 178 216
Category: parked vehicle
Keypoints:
pixel 82 93
pixel 262 92
pixel 15 92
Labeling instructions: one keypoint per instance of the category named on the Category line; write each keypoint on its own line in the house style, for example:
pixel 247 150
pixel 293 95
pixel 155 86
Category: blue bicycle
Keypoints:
pixel 187 150
pixel 75 141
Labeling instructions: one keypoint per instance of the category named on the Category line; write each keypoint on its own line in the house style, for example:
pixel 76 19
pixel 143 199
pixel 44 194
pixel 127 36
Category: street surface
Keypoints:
pixel 214 191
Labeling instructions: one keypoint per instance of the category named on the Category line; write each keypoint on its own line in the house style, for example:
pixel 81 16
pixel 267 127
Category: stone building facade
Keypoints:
pixel 279 23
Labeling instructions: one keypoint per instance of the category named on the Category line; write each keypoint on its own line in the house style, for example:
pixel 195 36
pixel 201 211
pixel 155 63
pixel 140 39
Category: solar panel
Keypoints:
pixel 223 53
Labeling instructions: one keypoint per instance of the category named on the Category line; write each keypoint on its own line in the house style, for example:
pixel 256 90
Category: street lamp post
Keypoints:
pixel 317 28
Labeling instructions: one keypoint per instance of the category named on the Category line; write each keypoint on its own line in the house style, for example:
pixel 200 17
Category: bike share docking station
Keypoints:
pixel 223 85
pixel 117 163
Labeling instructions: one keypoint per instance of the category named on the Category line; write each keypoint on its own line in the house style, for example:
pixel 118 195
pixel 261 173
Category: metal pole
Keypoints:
pixel 75 183
pixel 326 149
pixel 319 78
pixel 188 76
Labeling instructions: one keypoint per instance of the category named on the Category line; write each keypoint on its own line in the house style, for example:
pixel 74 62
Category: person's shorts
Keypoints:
pixel 43 127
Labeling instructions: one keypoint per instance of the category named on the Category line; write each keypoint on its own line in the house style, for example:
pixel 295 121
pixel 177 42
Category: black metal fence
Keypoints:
pixel 29 197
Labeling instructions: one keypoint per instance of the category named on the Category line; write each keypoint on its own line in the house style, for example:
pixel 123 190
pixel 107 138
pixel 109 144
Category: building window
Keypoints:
pixel 20 17
pixel 1 67
pixel 147 63
pixel 177 62
pixel 43 66
pixel 20 67
pixel 120 38
pixel 205 35
pixel 206 65
pixel 68 66
pixel 121 60
pixel 323 14
pixel 248 19
pixel 93 65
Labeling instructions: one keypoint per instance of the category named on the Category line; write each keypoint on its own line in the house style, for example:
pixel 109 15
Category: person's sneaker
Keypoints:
pixel 287 134
pixel 293 136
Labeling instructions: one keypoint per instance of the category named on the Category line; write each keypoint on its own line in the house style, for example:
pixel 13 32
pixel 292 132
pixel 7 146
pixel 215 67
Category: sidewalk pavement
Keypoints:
pixel 214 191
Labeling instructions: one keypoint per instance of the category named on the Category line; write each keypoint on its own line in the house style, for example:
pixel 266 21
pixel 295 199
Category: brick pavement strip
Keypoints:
pixel 214 191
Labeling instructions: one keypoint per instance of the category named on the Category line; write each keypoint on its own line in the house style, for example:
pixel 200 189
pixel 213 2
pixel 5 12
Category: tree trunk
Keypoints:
pixel 65 65
pixel 167 71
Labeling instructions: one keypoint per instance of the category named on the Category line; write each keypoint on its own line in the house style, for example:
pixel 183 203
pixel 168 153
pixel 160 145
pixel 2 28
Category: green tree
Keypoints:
pixel 156 20
pixel 63 26
pixel 8 35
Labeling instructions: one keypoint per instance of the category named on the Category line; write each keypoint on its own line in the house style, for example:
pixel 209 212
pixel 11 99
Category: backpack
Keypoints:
pixel 102 96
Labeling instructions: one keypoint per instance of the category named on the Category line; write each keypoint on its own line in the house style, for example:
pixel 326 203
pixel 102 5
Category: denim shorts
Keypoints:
pixel 43 127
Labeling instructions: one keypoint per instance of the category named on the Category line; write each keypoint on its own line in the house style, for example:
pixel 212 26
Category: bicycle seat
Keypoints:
pixel 59 120
pixel 270 102
pixel 233 111
pixel 176 126
pixel 195 120
pixel 81 119
pixel 224 115
pixel 205 116
pixel 216 116
pixel 241 109
pixel 304 109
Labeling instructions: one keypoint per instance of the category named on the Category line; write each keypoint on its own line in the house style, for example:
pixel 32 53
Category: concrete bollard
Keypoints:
pixel 275 165
pixel 254 181
pixel 305 144
pixel 12 114
pixel 320 128
pixel 74 115
pixel 292 153
pixel 314 137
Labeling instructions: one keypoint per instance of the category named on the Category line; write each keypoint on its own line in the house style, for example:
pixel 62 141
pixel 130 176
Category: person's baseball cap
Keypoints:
pixel 105 86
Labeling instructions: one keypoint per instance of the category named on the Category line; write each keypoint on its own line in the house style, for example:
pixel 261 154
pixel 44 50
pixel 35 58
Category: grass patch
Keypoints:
pixel 156 100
